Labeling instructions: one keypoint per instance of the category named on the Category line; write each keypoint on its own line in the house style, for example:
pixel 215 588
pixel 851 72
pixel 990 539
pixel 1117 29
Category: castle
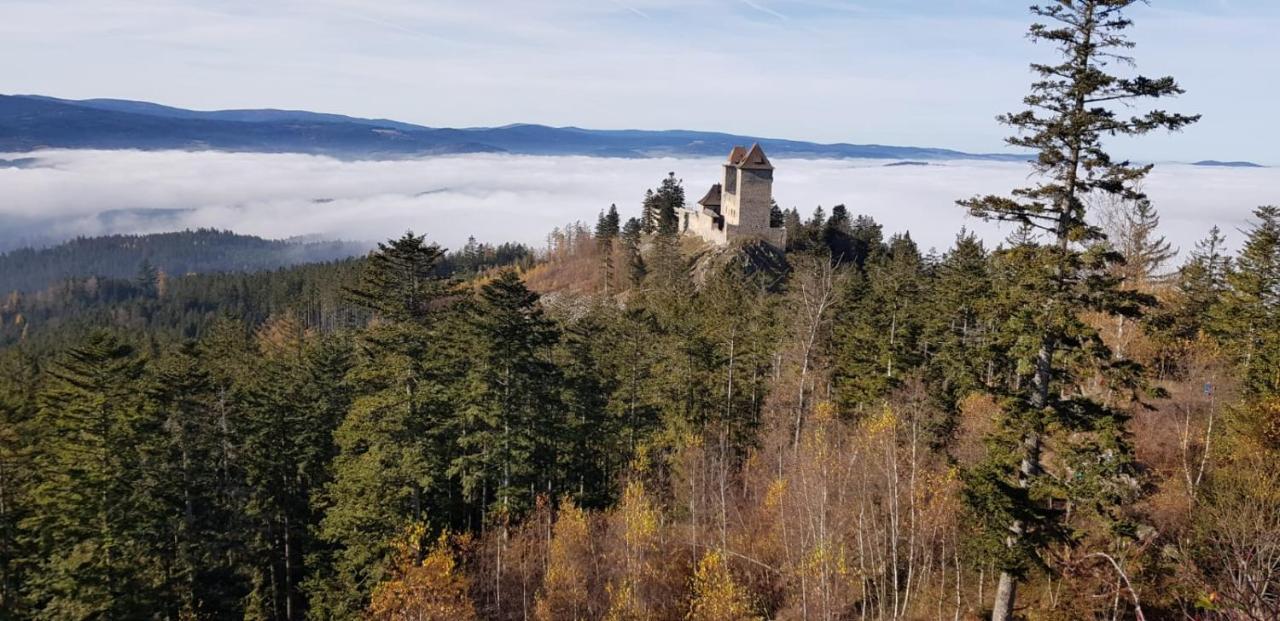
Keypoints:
pixel 739 206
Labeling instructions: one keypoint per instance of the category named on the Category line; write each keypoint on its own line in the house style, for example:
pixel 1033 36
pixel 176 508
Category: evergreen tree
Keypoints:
pixel 514 425
pixel 1132 232
pixel 608 225
pixel 87 520
pixel 795 229
pixel 1199 286
pixel 292 405
pixel 19 380
pixel 631 239
pixel 877 328
pixel 650 210
pixel 399 280
pixel 607 231
pixel 188 491
pixel 670 200
pixel 594 450
pixel 957 324
pixel 148 278
pixel 1070 109
pixel 394 443
pixel 1250 311
pixel 837 235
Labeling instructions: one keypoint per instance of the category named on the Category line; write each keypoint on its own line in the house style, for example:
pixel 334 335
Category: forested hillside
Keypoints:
pixel 169 254
pixel 171 308
pixel 1074 423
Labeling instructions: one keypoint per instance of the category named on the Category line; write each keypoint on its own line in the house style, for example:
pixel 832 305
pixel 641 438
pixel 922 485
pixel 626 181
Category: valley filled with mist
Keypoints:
pixel 54 195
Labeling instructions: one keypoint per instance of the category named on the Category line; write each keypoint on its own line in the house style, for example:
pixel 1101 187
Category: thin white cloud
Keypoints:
pixel 930 73
pixel 764 9
pixel 521 198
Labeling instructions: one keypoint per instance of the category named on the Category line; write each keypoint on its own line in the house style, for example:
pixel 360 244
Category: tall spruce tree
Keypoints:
pixel 608 225
pixel 88 521
pixel 1249 313
pixel 632 233
pixel 514 420
pixel 877 330
pixel 1074 105
pixel 19 381
pixel 670 199
pixel 394 443
pixel 956 328
pixel 188 491
pixel 1188 313
pixel 292 405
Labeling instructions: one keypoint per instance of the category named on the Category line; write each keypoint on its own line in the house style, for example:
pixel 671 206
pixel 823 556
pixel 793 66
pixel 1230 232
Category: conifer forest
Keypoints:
pixel 1077 421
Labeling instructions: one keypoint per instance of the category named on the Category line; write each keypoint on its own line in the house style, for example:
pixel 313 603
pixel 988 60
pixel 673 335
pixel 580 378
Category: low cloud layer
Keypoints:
pixel 521 198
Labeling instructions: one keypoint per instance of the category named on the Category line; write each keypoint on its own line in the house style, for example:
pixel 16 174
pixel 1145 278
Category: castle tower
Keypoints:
pixel 747 191
pixel 739 206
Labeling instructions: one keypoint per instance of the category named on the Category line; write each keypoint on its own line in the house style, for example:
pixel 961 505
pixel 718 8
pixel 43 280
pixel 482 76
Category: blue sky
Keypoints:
pixel 912 72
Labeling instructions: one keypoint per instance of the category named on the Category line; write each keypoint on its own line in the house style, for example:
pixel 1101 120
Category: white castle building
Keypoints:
pixel 738 207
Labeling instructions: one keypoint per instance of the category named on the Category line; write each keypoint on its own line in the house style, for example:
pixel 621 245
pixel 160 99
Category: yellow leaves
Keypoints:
pixel 824 412
pixel 631 591
pixel 639 516
pixel 885 422
pixel 716 597
pixel 775 494
pixel 623 605
pixel 431 590
pixel 564 588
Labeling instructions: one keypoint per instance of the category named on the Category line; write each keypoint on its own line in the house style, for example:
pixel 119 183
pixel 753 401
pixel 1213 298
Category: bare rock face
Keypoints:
pixel 749 258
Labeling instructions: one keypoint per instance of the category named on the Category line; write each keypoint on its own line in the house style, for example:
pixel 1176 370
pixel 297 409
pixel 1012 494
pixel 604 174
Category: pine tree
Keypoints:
pixel 631 239
pixel 867 240
pixel 878 326
pixel 148 279
pixel 608 225
pixel 87 520
pixel 957 324
pixel 595 450
pixel 514 425
pixel 1198 289
pixel 837 235
pixel 1070 110
pixel 187 490
pixel 669 201
pixel 795 229
pixel 1132 232
pixel 19 381
pixel 650 209
pixel 291 408
pixel 400 280
pixel 607 231
pixel 395 442
pixel 1250 311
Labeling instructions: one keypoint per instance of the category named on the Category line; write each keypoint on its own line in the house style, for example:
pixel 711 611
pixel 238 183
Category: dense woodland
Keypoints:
pixel 183 252
pixel 1075 423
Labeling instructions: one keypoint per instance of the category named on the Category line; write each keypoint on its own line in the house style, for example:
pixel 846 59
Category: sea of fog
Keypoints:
pixel 51 195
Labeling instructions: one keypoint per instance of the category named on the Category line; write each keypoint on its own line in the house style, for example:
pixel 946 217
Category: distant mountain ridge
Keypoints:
pixel 30 122
pixel 1219 164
